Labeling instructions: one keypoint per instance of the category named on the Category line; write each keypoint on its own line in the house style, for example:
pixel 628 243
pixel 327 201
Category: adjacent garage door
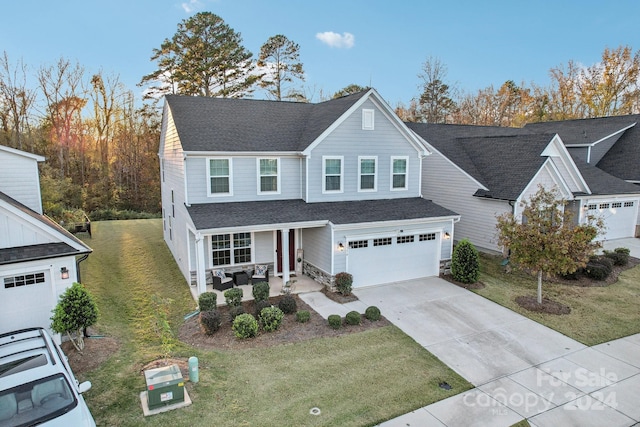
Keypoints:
pixel 394 258
pixel 619 218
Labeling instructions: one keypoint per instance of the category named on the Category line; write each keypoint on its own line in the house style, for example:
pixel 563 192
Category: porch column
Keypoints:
pixel 201 278
pixel 285 256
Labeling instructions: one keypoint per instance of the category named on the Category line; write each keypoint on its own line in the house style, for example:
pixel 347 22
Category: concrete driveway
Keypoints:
pixel 521 369
pixel 632 243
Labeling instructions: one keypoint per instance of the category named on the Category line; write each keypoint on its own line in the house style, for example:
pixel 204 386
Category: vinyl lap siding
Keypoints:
pixel 19 179
pixel 263 247
pixel 350 141
pixel 600 149
pixel 317 247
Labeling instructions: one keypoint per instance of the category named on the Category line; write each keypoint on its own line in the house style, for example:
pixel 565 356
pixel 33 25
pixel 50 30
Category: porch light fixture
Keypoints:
pixel 64 273
pixel 340 247
pixel 447 236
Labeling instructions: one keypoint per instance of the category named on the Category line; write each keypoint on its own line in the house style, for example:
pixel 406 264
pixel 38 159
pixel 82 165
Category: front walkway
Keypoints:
pixel 521 369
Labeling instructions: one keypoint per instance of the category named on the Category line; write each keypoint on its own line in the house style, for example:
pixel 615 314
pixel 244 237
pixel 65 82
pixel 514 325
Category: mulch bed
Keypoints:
pixel 290 331
pixel 548 306
pixel 96 351
pixel 450 279
pixel 585 281
pixel 337 297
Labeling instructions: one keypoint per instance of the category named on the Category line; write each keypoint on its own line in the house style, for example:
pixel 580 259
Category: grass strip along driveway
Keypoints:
pixel 598 314
pixel 355 380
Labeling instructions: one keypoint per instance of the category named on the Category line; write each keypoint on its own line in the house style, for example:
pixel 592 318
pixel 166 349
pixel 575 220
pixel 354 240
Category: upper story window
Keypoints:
pixel 268 176
pixel 219 174
pixel 368 173
pixel 368 117
pixel 399 172
pixel 332 176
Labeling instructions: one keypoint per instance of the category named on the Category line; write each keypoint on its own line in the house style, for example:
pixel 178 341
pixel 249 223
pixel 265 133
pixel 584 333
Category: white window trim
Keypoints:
pixel 260 192
pixel 375 174
pixel 406 181
pixel 368 119
pixel 231 249
pixel 324 174
pixel 208 166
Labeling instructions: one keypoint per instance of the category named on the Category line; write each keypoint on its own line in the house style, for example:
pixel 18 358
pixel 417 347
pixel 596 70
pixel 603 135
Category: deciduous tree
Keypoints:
pixel 435 102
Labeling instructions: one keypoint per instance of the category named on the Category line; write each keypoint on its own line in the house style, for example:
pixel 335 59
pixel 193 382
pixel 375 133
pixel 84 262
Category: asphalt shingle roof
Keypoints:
pixel 225 124
pixel 245 214
pixel 601 183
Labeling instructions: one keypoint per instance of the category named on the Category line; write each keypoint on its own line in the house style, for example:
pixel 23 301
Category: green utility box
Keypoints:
pixel 165 386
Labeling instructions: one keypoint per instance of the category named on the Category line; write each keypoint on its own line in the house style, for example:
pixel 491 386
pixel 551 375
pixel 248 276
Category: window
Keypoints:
pixel 220 177
pixel 427 236
pixel 616 205
pixel 368 119
pixel 592 207
pixel 23 280
pixel 231 249
pixel 268 176
pixel 628 204
pixel 399 166
pixel 382 241
pixel 332 175
pixel 405 239
pixel 357 244
pixel 367 173
pixel 604 206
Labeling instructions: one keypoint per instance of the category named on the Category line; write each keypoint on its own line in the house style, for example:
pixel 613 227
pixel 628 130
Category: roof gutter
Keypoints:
pixel 78 261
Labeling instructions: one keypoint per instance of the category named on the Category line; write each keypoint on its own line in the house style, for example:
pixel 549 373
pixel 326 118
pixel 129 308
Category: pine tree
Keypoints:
pixel 280 57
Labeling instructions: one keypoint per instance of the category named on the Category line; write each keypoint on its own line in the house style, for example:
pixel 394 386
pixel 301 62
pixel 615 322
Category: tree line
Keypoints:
pixel 101 143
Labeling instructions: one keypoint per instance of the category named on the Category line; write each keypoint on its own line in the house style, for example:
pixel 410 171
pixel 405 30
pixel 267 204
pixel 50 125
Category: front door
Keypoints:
pixel 292 247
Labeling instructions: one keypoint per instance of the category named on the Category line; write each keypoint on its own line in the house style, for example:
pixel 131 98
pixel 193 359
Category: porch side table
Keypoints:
pixel 240 278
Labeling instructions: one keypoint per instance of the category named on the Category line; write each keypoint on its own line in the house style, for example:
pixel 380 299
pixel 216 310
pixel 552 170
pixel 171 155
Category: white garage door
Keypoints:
pixel 26 300
pixel 392 259
pixel 619 218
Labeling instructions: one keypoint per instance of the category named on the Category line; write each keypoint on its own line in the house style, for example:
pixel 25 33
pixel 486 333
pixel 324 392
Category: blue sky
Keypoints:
pixel 382 43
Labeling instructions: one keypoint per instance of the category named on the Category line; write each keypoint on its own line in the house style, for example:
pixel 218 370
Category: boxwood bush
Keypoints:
pixel 303 316
pixel 599 268
pixel 245 326
pixel 465 262
pixel 372 313
pixel 233 297
pixel 210 321
pixel 260 305
pixel 619 256
pixel 343 283
pixel 335 321
pixel 207 301
pixel 271 318
pixel 288 304
pixel 235 311
pixel 261 291
pixel 353 318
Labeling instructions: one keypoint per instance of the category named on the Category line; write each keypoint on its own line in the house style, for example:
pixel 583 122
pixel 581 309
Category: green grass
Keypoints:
pixel 598 314
pixel 355 380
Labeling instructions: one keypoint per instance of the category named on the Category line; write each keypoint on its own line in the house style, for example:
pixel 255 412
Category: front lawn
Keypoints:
pixel 598 314
pixel 356 379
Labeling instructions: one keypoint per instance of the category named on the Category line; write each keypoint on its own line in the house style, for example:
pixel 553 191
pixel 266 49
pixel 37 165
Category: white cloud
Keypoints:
pixel 344 40
pixel 191 5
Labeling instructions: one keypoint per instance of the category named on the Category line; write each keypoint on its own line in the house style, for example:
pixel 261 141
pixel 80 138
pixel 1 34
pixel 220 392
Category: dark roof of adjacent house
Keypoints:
pixel 226 124
pixel 244 214
pixel 585 131
pixel 504 160
pixel 601 182
pixel 40 251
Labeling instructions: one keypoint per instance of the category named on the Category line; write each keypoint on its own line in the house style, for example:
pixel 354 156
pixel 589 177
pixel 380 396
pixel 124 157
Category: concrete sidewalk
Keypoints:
pixel 521 369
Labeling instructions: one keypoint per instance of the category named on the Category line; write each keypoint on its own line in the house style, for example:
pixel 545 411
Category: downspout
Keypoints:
pixel 78 261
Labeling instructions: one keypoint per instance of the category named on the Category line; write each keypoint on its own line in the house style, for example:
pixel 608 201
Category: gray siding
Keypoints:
pixel 350 140
pixel 316 243
pixel 580 152
pixel 263 245
pixel 19 179
pixel 600 149
pixel 447 186
pixel 244 180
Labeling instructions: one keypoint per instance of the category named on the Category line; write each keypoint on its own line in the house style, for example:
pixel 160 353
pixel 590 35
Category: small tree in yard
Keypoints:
pixel 465 263
pixel 547 240
pixel 75 311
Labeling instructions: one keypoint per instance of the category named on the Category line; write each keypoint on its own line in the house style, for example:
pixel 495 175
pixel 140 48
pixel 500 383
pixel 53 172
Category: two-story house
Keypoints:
pixel 38 258
pixel 318 188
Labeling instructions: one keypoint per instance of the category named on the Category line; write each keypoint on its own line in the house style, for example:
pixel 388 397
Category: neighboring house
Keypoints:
pixel 482 172
pixel 37 256
pixel 612 144
pixel 339 182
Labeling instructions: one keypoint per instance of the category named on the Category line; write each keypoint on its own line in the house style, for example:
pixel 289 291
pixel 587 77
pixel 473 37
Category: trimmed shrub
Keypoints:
pixel 344 282
pixel 288 304
pixel 599 267
pixel 353 318
pixel 303 316
pixel 372 313
pixel 619 256
pixel 271 318
pixel 233 297
pixel 207 301
pixel 261 291
pixel 335 321
pixel 260 305
pixel 465 262
pixel 235 311
pixel 210 321
pixel 245 326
